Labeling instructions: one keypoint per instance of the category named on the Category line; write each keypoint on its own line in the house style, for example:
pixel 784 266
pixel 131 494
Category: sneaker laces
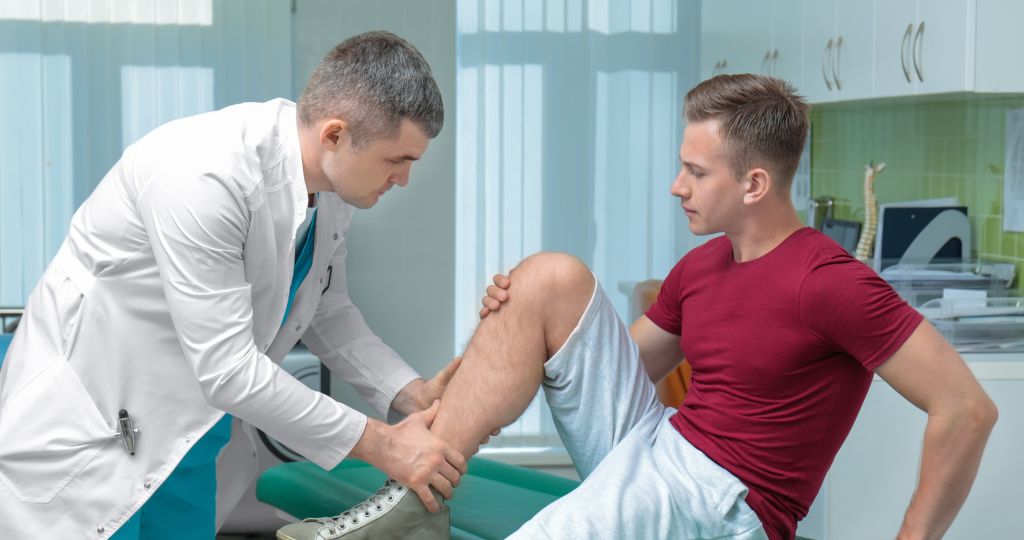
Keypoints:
pixel 364 509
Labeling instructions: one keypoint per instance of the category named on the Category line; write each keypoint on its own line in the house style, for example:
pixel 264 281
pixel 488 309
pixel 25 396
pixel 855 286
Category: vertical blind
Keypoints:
pixel 81 80
pixel 569 124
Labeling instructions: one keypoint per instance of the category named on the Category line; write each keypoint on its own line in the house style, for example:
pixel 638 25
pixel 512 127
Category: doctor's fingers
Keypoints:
pixel 443 486
pixel 456 460
pixel 448 473
pixel 487 438
pixel 427 497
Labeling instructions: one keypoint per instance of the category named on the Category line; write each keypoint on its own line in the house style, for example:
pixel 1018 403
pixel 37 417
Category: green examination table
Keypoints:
pixel 493 500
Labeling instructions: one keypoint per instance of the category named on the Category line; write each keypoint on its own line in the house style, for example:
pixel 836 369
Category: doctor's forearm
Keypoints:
pixel 408 399
pixel 953 446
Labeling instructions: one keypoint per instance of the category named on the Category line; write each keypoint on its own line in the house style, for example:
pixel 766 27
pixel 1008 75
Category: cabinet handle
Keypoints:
pixel 824 59
pixel 764 63
pixel 775 62
pixel 903 51
pixel 916 52
pixel 835 63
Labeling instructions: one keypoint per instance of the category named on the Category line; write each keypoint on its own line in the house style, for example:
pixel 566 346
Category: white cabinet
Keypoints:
pixel 894 32
pixel 875 473
pixel 999 42
pixel 749 36
pixel 924 47
pixel 837 50
pixel 734 43
pixel 750 49
pixel 945 46
pixel 838 41
pixel 717 29
pixel 787 53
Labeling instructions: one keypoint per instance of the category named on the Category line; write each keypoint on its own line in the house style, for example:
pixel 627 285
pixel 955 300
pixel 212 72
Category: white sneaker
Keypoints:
pixel 392 512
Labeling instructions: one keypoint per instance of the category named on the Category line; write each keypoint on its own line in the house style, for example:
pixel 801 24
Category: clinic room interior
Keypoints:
pixel 563 121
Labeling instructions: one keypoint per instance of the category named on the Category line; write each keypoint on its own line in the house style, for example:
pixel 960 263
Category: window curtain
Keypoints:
pixel 569 122
pixel 82 80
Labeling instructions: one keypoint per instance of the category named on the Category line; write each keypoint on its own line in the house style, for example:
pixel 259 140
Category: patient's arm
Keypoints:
pixel 659 350
pixel 930 374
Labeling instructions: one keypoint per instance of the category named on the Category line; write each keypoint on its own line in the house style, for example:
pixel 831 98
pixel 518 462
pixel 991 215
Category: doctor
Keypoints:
pixel 213 246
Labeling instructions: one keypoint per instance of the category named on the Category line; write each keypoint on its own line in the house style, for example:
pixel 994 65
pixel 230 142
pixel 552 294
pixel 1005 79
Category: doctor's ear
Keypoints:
pixel 756 182
pixel 334 133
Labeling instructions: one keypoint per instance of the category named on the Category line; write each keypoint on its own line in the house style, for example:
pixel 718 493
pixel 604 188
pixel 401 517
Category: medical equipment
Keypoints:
pixel 921 283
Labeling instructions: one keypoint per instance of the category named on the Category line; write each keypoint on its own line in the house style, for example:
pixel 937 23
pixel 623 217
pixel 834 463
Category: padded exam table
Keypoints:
pixel 493 500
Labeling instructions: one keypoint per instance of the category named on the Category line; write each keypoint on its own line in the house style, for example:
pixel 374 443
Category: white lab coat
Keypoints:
pixel 167 300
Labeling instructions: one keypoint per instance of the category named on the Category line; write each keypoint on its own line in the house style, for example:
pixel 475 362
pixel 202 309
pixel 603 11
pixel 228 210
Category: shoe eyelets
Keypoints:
pixel 391 498
pixel 366 514
pixel 379 508
pixel 355 521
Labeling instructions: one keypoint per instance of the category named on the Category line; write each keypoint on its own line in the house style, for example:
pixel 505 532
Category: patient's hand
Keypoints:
pixel 497 294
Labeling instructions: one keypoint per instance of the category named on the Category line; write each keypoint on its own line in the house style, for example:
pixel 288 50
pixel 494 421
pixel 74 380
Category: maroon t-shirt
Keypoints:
pixel 782 349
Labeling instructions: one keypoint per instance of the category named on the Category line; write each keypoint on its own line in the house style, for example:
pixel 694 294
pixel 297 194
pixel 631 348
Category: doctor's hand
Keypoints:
pixel 410 453
pixel 419 395
pixel 432 390
pixel 497 294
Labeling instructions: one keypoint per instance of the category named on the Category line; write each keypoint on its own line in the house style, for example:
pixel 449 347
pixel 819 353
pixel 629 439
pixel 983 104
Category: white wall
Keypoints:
pixel 402 252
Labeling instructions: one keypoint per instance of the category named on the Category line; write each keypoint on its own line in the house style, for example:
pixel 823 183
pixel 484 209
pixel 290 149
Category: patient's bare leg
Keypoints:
pixel 503 365
pixel 500 373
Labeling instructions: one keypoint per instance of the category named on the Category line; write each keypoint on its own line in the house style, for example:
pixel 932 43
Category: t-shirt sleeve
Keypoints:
pixel 666 311
pixel 847 304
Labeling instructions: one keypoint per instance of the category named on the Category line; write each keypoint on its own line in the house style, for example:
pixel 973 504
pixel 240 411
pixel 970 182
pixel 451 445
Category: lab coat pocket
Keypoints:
pixel 50 430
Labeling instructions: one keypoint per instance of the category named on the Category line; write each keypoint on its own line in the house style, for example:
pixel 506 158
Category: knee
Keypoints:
pixel 554 275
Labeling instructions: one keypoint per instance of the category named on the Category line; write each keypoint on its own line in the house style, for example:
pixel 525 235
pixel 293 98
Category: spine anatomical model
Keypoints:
pixel 867 235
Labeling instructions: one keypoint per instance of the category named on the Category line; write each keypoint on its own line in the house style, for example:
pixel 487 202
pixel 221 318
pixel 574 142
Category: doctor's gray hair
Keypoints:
pixel 372 81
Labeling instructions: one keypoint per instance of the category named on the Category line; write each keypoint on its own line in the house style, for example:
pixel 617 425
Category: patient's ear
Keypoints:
pixel 756 185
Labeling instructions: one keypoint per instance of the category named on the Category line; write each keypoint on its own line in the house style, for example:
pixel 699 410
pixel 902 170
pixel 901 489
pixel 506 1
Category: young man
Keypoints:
pixel 784 331
pixel 209 249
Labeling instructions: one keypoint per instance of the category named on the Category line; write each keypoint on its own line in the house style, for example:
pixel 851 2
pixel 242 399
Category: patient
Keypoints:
pixel 783 329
